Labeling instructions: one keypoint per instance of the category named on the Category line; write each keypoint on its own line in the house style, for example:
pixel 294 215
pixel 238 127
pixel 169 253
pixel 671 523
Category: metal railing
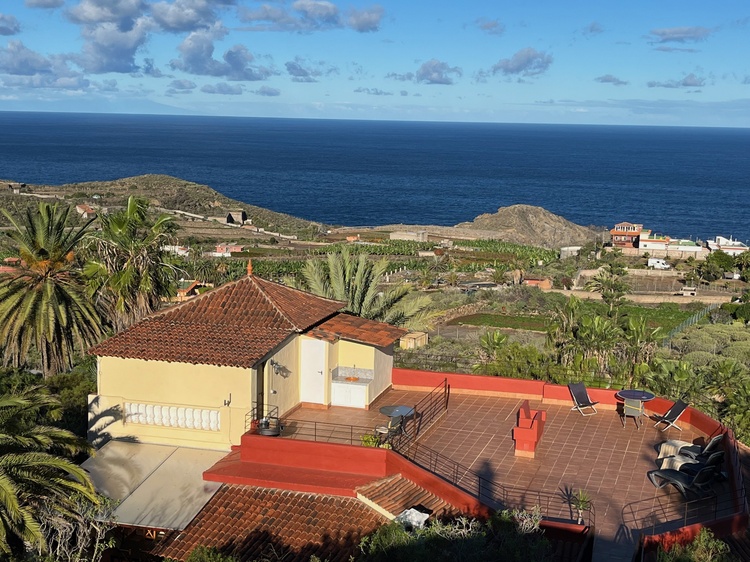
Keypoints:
pixel 694 319
pixel 554 506
pixel 264 420
pixel 427 412
pixel 325 432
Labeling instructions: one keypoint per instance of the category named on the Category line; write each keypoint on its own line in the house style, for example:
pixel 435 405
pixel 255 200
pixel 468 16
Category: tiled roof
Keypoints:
pixel 234 325
pixel 394 494
pixel 249 522
pixel 354 328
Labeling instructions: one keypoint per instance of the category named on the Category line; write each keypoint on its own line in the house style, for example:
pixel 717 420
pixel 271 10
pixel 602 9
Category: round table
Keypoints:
pixel 396 411
pixel 641 395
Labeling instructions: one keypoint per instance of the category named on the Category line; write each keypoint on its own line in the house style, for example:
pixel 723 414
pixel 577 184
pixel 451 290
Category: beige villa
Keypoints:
pixel 193 374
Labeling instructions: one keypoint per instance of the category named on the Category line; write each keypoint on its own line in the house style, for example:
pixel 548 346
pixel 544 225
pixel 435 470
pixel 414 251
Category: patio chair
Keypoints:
pixel 387 432
pixel 698 484
pixel 715 461
pixel 581 398
pixel 686 448
pixel 671 416
pixel 634 409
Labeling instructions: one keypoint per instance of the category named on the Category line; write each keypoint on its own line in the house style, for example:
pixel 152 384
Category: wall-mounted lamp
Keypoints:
pixel 228 401
pixel 278 368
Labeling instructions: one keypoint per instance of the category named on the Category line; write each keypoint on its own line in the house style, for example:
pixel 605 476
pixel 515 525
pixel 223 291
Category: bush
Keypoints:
pixel 698 341
pixel 704 548
pixel 510 536
pixel 743 312
pixel 700 358
pixel 739 350
pixel 204 554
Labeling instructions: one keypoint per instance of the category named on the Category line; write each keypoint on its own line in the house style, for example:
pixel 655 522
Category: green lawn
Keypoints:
pixel 532 323
pixel 667 316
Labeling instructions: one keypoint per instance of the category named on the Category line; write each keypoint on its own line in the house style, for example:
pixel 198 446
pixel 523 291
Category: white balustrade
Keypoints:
pixel 173 416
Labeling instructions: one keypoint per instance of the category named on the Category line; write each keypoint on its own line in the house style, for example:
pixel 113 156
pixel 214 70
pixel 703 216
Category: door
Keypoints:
pixel 312 373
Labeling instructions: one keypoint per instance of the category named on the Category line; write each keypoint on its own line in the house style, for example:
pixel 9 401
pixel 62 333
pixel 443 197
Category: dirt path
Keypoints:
pixel 656 298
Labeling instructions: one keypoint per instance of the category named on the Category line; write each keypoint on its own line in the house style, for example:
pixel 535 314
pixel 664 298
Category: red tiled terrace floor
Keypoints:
pixel 595 454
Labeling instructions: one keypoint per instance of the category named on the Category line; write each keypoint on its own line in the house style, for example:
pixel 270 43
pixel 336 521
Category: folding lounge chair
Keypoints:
pixel 672 415
pixel 698 484
pixel 686 448
pixel 689 465
pixel 581 398
pixel 715 461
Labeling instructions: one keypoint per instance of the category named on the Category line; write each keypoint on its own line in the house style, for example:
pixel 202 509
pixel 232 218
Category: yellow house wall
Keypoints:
pixel 383 371
pixel 355 355
pixel 287 386
pixel 179 384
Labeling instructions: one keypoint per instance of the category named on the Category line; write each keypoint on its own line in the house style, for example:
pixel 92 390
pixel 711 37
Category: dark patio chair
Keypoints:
pixel 698 485
pixel 581 398
pixel 686 448
pixel 671 416
pixel 715 461
pixel 394 428
pixel 633 409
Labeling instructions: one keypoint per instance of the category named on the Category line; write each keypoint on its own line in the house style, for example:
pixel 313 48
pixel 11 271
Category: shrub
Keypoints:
pixel 743 312
pixel 738 350
pixel 699 358
pixel 704 548
pixel 204 554
pixel 699 341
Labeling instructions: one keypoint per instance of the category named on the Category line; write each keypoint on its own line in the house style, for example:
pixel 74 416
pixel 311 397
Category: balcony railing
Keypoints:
pixel 554 506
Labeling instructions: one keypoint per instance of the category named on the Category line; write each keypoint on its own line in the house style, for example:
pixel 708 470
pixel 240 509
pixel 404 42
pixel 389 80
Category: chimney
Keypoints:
pixel 249 267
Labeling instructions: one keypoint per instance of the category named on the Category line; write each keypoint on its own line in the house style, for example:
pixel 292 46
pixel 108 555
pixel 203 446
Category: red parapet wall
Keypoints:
pixel 415 379
pixel 350 460
pixel 296 453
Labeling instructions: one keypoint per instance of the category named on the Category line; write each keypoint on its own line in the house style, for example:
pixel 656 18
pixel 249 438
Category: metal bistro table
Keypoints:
pixel 641 395
pixel 396 411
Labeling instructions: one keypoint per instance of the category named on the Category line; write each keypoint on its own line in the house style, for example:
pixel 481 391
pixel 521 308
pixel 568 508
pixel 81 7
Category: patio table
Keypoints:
pixel 642 395
pixel 396 411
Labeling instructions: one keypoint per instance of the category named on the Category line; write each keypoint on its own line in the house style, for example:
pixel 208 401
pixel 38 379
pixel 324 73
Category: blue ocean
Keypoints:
pixel 687 182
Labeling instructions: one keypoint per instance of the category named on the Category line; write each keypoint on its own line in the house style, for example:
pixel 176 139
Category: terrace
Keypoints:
pixel 471 446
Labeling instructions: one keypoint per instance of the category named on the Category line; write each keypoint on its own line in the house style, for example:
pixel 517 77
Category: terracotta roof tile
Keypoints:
pixel 396 493
pixel 354 328
pixel 248 522
pixel 234 325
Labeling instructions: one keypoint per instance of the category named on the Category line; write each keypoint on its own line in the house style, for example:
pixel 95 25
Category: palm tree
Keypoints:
pixel 43 304
pixel 562 330
pixel 128 272
pixel 609 283
pixel 33 476
pixel 638 348
pixel 356 281
pixel 596 339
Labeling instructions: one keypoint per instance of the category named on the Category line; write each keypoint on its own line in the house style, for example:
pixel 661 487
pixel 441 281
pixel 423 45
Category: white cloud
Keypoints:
pixel 223 88
pixel 9 25
pixel 526 62
pixel 437 72
pixel 310 15
pixel 689 81
pixel 680 34
pixel 196 57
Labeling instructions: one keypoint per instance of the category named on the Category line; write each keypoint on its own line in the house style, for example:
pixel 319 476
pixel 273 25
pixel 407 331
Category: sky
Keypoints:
pixel 642 62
